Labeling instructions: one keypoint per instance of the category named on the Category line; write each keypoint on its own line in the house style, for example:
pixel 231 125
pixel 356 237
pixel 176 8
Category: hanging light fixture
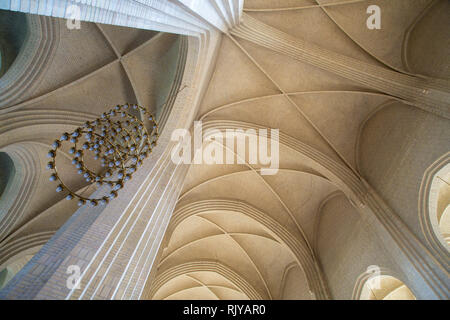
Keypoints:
pixel 118 140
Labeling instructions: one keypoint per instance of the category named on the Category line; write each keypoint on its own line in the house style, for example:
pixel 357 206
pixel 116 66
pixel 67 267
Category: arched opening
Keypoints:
pixel 7 171
pixel 13 32
pixel 15 264
pixel 384 287
pixel 439 205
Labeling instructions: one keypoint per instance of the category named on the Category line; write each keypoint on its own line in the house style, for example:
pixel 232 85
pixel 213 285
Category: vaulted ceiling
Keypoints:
pixel 92 69
pixel 262 230
pixel 235 234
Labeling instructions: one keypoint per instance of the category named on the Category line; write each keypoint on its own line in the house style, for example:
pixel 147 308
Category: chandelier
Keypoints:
pixel 118 140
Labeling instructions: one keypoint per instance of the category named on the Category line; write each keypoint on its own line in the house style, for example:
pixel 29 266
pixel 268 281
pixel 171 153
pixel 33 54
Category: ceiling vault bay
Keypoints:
pixel 309 68
pixel 320 92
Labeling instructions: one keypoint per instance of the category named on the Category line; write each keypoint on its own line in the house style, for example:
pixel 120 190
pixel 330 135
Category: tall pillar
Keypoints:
pixel 112 246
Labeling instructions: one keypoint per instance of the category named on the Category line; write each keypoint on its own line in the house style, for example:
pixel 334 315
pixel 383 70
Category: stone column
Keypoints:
pixel 113 246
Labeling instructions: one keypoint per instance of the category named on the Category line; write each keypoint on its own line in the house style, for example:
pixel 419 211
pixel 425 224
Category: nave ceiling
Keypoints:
pixel 237 234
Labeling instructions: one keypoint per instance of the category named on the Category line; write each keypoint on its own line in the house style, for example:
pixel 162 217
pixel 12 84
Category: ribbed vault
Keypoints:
pixel 336 90
pixel 264 227
pixel 92 69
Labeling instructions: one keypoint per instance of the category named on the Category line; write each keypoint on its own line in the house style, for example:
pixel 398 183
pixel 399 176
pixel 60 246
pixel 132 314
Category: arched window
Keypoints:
pixel 384 287
pixel 28 43
pixel 13 265
pixel 6 171
pixel 13 32
pixel 439 205
pixel 434 211
pixel 377 283
pixel 7 273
